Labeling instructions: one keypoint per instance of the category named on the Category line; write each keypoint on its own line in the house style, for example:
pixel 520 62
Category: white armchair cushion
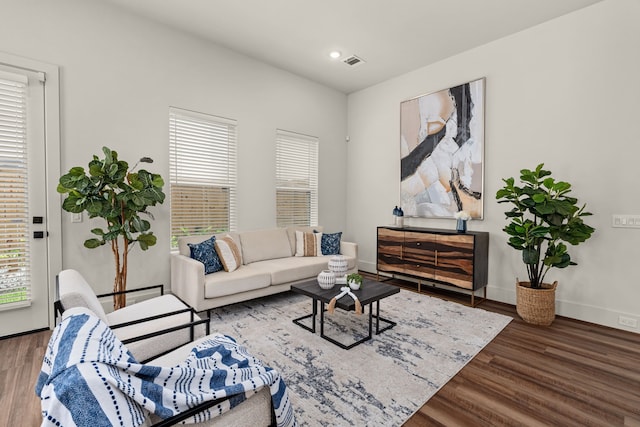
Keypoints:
pixel 144 349
pixel 74 291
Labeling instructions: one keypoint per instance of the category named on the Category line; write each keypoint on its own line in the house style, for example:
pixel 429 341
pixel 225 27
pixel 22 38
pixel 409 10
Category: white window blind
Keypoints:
pixel 296 179
pixel 15 283
pixel 202 173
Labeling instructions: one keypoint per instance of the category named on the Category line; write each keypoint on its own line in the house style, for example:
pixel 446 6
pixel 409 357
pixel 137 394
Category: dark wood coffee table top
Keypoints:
pixel 370 291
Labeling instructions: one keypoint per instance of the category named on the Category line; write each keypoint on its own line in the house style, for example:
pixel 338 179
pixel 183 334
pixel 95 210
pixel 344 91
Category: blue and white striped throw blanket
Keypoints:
pixel 89 378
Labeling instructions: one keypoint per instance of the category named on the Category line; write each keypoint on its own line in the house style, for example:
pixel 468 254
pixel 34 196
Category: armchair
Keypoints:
pixel 88 372
pixel 149 328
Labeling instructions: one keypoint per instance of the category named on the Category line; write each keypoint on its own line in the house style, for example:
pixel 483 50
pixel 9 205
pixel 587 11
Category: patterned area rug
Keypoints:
pixel 381 382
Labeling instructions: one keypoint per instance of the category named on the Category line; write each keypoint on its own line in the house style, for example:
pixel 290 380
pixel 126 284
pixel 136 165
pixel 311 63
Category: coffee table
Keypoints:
pixel 371 291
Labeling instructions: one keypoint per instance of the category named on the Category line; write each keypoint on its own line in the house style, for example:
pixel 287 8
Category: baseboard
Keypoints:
pixel 586 313
pixel 369 267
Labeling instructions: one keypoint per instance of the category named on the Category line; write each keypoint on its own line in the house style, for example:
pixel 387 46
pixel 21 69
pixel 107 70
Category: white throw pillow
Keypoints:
pixel 308 244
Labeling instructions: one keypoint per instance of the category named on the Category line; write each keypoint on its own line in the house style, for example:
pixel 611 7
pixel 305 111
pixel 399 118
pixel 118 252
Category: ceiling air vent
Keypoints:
pixel 353 60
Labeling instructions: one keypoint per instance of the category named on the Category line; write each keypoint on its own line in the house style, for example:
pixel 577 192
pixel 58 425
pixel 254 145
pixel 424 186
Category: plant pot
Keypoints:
pixel 536 306
pixel 354 285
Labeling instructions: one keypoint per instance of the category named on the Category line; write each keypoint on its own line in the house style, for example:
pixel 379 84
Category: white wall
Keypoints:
pixel 120 74
pixel 565 93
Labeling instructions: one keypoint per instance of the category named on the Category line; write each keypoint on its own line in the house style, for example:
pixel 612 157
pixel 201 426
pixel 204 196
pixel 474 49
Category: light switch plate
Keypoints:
pixel 625 221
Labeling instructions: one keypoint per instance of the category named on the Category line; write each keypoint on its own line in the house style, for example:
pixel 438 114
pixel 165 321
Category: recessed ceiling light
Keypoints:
pixel 335 54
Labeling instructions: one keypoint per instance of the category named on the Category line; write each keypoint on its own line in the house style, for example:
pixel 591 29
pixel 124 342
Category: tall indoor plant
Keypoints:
pixel 542 219
pixel 119 195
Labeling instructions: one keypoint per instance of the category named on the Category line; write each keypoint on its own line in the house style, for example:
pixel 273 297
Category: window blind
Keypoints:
pixel 202 168
pixel 296 179
pixel 15 283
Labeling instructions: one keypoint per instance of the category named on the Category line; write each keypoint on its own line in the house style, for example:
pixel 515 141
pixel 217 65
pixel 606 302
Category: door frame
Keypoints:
pixel 52 166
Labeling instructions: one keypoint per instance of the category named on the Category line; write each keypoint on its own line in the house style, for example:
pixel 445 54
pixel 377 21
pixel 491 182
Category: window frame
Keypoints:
pixel 202 161
pixel 296 173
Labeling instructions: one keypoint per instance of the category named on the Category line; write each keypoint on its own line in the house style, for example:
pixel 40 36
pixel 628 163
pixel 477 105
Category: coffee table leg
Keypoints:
pixel 370 320
pixel 390 324
pixel 314 312
pixel 321 318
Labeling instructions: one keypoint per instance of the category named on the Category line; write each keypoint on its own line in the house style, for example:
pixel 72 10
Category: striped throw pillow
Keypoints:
pixel 229 253
pixel 308 244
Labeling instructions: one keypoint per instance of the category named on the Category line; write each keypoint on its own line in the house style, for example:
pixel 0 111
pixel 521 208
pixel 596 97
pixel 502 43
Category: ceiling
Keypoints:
pixel 392 36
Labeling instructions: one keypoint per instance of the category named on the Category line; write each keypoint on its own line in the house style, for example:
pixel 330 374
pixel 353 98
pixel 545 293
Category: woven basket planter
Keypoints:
pixel 536 306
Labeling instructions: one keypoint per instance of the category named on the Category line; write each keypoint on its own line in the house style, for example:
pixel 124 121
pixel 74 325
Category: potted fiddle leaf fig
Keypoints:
pixel 542 219
pixel 110 190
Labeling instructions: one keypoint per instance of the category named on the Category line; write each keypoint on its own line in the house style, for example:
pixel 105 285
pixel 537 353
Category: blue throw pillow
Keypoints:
pixel 205 252
pixel 331 243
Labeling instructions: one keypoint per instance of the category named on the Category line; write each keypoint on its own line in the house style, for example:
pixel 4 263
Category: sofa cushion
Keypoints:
pixel 246 278
pixel 331 243
pixel 229 253
pixel 260 245
pixel 205 252
pixel 308 244
pixel 285 270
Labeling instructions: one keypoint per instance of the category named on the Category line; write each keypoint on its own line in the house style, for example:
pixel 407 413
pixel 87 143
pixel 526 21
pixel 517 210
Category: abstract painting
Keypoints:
pixel 442 152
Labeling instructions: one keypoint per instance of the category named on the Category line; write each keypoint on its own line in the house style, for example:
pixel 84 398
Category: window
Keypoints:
pixel 202 168
pixel 296 179
pixel 14 197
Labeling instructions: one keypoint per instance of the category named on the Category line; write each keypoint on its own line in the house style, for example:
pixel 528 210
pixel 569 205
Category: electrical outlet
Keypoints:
pixel 628 321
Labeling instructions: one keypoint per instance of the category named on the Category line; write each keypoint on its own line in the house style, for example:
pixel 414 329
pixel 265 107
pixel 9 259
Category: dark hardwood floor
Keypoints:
pixel 569 374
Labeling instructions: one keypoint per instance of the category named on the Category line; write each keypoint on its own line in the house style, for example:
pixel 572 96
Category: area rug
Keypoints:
pixel 381 382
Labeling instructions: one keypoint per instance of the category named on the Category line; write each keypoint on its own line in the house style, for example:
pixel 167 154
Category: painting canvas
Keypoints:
pixel 442 152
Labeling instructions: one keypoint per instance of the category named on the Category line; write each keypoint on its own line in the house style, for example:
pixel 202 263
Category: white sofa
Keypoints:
pixel 269 266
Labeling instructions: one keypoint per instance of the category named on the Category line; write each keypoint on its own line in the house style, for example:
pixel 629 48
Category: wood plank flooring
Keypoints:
pixel 569 374
pixel 20 362
pixel 572 373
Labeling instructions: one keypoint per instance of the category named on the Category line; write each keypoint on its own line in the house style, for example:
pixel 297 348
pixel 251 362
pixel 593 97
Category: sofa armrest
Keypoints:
pixel 349 249
pixel 187 280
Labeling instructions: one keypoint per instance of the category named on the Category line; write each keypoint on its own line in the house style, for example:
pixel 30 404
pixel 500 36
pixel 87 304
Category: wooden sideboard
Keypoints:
pixel 436 255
